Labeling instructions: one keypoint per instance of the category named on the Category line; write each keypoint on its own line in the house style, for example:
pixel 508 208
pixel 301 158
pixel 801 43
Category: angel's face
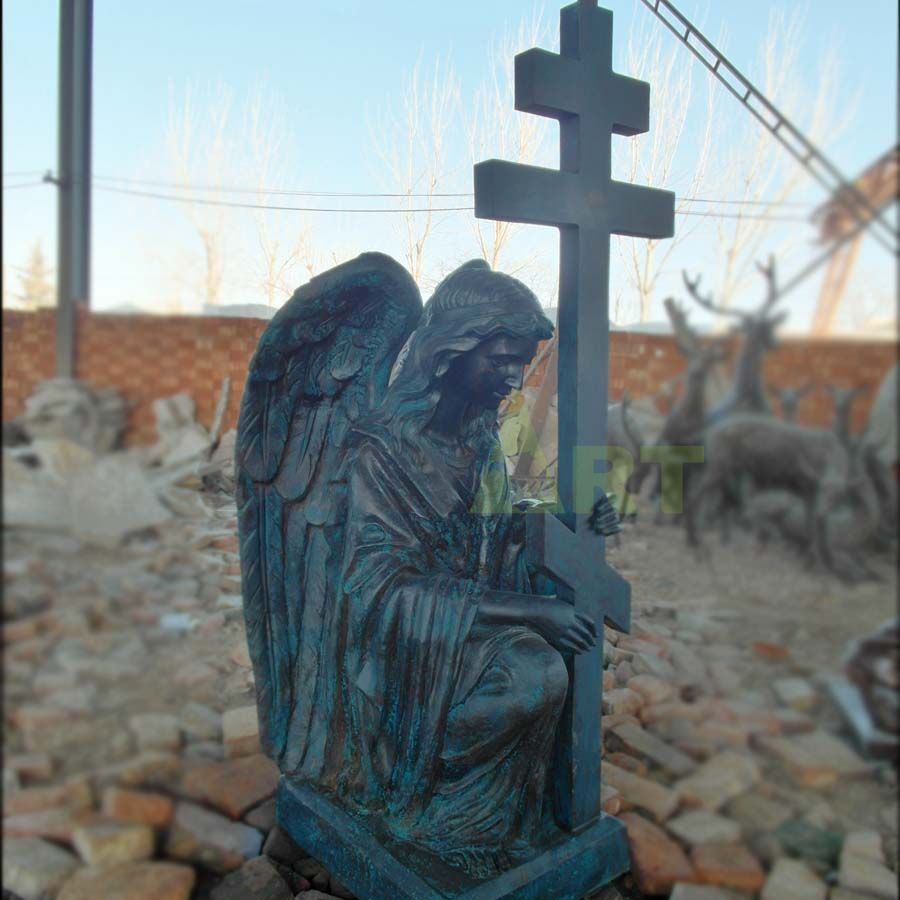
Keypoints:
pixel 492 370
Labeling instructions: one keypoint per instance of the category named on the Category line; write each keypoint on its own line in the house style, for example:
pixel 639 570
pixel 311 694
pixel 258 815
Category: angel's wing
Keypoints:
pixel 322 362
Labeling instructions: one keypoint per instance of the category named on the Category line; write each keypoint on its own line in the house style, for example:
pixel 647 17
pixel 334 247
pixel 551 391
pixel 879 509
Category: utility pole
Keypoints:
pixel 73 179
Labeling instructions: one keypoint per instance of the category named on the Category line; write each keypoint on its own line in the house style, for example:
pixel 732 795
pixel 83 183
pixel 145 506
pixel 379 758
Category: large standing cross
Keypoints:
pixel 591 102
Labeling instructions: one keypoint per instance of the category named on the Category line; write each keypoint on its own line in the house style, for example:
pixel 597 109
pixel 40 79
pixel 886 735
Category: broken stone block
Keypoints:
pixel 796 693
pixel 281 847
pixel 727 865
pixel 757 813
pixel 140 807
pixel 262 816
pixel 866 844
pixel 859 873
pixel 200 723
pixel 258 879
pixel 649 747
pixel 720 778
pixel 198 835
pixel 156 731
pixel 790 879
pixel 234 785
pixel 699 826
pixel 685 891
pixel 817 759
pixel 131 881
pixel 816 845
pixel 622 701
pixel 108 843
pixel 35 869
pixel 240 731
pixel 651 688
pixel 658 800
pixel 54 824
pixel 657 861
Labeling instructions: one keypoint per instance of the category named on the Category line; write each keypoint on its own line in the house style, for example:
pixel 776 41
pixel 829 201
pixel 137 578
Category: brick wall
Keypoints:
pixel 146 357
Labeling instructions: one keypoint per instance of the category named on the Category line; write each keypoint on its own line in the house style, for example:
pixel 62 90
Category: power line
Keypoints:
pixel 225 189
pixel 22 174
pixel 231 189
pixel 233 203
pixel 241 205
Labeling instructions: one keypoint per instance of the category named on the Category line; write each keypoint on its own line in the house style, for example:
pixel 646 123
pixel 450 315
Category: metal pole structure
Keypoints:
pixel 73 176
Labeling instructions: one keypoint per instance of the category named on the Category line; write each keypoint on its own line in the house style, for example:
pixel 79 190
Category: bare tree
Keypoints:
pixel 197 147
pixel 281 261
pixel 496 129
pixel 759 173
pixel 36 289
pixel 650 159
pixel 412 143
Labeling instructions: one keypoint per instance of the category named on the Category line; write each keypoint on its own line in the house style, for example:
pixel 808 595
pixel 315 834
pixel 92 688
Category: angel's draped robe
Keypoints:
pixel 442 725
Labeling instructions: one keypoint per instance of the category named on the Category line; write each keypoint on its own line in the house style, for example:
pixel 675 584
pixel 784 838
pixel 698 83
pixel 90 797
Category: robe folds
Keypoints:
pixel 440 725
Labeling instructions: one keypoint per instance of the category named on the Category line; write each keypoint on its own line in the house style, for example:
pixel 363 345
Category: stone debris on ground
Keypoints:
pixel 132 756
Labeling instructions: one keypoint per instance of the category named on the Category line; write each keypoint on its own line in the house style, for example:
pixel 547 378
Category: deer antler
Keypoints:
pixel 693 287
pixel 772 295
pixel 685 336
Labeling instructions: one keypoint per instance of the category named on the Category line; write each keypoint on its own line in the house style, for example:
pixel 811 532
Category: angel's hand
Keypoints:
pixel 562 626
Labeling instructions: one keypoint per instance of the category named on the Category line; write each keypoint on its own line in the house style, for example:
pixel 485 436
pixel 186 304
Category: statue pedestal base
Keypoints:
pixel 376 866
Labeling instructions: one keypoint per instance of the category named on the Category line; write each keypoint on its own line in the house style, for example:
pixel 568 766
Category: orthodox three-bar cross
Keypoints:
pixel 591 102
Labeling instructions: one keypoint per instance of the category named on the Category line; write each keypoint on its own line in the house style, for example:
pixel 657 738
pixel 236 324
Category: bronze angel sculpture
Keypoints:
pixel 408 665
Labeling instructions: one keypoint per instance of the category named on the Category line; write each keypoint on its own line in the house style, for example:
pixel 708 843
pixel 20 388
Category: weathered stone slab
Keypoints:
pixel 200 723
pixel 699 826
pixel 131 881
pixel 657 861
pixel 866 844
pixel 659 801
pixel 622 701
pixel 860 873
pixel 797 693
pixel 656 752
pixel 257 879
pixel 240 732
pixel 234 785
pixel 686 891
pixel 790 879
pixel 720 778
pixel 140 807
pixel 651 688
pixel 817 759
pixel 108 843
pixel 198 835
pixel 35 869
pixel 727 865
pixel 757 813
pixel 156 731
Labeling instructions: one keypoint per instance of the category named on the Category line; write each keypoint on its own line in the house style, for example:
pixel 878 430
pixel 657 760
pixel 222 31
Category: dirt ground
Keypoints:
pixel 95 636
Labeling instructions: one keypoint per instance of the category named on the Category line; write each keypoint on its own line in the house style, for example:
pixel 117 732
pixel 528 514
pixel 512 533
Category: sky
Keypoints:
pixel 331 70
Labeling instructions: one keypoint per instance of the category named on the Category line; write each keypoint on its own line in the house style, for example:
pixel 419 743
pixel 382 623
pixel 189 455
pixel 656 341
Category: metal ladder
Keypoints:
pixel 790 137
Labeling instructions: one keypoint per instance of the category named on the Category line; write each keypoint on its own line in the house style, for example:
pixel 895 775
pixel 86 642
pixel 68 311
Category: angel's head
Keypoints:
pixel 477 333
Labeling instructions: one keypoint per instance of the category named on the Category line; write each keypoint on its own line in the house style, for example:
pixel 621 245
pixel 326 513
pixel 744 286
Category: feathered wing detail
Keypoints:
pixel 322 362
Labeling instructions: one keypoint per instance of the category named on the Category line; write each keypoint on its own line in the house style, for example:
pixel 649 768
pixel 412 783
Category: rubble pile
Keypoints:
pixel 132 767
pixel 63 473
pixel 732 771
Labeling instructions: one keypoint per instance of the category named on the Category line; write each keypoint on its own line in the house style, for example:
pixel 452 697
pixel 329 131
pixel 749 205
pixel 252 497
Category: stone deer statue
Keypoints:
pixel 852 523
pixel 686 420
pixel 757 337
pixel 789 398
pixel 842 399
pixel 764 453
